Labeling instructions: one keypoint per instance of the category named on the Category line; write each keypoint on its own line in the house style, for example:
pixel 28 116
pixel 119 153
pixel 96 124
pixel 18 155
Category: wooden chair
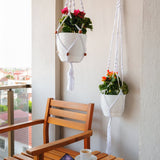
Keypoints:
pixel 67 114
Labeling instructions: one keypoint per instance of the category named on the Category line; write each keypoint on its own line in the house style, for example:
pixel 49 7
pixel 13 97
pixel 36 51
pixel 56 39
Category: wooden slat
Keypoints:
pixel 46 158
pixel 96 152
pixel 109 157
pixel 20 125
pixel 26 154
pixel 10 158
pixel 119 159
pixel 67 123
pixel 22 157
pixel 59 143
pixel 52 156
pixel 68 114
pixel 58 153
pixel 68 151
pixel 70 105
pixel 101 155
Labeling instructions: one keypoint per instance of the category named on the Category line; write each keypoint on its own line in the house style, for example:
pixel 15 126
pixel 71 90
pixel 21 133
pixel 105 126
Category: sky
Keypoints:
pixel 15 33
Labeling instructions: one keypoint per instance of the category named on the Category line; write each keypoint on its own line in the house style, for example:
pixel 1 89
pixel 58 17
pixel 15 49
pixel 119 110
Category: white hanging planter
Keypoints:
pixel 71 46
pixel 113 105
pixel 74 44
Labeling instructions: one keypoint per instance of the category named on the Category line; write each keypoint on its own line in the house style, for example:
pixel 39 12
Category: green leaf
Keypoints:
pixel 69 24
pixel 66 29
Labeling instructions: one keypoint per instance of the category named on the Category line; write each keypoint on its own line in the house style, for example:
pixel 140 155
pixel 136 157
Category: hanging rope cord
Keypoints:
pixel 71 5
pixel 117 36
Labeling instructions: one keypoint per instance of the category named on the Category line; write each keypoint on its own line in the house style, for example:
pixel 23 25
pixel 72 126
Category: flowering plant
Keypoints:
pixel 77 18
pixel 112 84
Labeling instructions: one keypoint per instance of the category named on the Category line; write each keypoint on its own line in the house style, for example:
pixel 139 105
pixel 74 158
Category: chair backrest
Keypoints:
pixel 67 114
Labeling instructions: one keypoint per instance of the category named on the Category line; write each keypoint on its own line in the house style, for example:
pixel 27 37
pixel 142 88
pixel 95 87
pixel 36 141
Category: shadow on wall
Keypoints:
pixel 99 127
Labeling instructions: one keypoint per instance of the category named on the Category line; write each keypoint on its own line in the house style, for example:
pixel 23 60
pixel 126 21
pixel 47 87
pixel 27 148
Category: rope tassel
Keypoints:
pixel 108 149
pixel 70 85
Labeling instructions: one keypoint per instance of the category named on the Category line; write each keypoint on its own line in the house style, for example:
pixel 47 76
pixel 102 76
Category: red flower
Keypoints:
pixel 81 14
pixel 64 10
pixel 76 12
pixel 104 78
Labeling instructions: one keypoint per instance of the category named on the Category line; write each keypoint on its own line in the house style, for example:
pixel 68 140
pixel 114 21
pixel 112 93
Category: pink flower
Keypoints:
pixel 64 10
pixel 76 12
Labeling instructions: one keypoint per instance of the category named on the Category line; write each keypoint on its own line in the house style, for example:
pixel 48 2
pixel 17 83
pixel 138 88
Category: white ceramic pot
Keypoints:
pixel 113 105
pixel 75 42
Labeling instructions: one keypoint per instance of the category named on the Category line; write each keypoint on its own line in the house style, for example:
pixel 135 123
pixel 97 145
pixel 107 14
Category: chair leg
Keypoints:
pixel 39 157
pixel 87 143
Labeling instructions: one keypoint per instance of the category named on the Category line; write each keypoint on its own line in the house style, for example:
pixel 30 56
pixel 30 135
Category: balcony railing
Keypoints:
pixel 10 104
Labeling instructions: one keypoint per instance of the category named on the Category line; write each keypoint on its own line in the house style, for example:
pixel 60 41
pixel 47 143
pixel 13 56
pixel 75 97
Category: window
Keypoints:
pixel 2 144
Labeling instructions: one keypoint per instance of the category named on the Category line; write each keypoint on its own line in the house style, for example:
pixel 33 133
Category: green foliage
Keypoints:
pixel 30 106
pixel 3 108
pixel 111 85
pixel 9 77
pixel 24 107
pixel 69 24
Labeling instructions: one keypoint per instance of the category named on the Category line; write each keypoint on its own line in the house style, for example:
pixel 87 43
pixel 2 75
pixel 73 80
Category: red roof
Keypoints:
pixel 17 114
pixel 18 72
pixel 21 135
pixel 3 79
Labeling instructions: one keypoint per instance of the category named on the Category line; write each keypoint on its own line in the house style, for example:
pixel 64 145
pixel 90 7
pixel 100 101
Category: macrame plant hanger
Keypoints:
pixel 67 45
pixel 117 47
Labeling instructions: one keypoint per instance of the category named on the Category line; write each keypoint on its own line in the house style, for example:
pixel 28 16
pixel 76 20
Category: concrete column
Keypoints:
pixel 45 64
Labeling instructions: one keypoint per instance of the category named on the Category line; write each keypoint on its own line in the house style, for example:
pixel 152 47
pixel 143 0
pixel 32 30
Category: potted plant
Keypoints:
pixel 71 41
pixel 113 94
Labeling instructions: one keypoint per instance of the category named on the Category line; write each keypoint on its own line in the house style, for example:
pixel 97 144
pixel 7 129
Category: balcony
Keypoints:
pixel 15 107
pixel 135 134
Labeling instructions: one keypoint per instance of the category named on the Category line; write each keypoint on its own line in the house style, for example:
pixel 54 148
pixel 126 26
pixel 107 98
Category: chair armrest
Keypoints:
pixel 20 125
pixel 59 143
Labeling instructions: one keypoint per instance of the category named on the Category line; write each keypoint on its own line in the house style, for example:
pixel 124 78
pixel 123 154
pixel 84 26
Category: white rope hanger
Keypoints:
pixel 115 46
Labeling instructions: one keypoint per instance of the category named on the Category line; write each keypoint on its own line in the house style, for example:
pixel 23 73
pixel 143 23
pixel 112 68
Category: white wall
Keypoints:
pixel 43 61
pixel 89 72
pixel 141 74
pixel 150 104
